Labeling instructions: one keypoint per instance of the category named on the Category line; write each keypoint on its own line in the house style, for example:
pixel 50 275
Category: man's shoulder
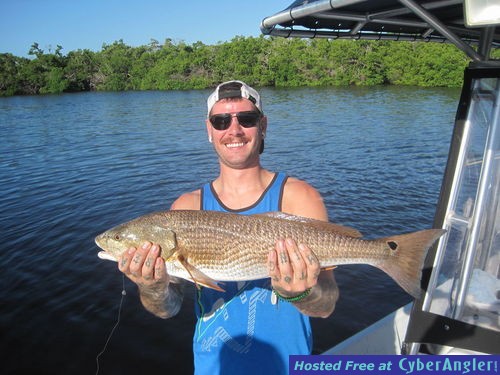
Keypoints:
pixel 300 198
pixel 298 188
pixel 187 201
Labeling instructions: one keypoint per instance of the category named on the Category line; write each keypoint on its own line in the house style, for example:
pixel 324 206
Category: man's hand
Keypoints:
pixel 144 266
pixel 293 268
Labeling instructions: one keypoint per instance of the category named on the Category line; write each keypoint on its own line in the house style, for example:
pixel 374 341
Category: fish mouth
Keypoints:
pixel 99 240
pixel 106 256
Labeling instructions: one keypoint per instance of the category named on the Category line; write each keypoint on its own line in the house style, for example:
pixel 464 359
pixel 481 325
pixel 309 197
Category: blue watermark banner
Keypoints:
pixel 394 364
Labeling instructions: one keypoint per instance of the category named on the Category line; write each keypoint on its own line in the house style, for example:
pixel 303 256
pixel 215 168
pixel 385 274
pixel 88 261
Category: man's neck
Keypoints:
pixel 240 188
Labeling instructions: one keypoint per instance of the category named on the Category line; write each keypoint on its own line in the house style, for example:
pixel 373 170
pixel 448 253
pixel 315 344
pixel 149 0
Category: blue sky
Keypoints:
pixel 87 24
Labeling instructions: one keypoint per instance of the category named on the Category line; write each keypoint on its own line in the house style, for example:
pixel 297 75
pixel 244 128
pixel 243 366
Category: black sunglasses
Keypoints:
pixel 222 121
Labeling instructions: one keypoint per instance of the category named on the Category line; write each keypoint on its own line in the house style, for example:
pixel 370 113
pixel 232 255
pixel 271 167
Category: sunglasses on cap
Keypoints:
pixel 222 121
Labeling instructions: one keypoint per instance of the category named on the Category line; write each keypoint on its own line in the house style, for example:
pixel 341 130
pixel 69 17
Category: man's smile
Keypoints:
pixel 235 145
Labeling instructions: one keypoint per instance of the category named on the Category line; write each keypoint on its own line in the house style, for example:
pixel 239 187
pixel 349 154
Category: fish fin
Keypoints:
pixel 164 237
pixel 408 252
pixel 198 277
pixel 340 229
pixel 329 268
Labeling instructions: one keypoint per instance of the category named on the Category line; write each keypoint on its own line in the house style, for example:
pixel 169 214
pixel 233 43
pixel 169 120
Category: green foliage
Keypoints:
pixel 260 61
pixel 82 71
pixel 425 64
pixel 116 65
pixel 55 82
pixel 10 66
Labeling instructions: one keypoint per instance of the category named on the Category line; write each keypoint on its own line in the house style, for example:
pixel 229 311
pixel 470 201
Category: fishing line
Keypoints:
pixel 124 293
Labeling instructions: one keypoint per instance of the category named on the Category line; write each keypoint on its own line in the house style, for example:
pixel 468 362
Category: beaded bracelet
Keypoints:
pixel 302 295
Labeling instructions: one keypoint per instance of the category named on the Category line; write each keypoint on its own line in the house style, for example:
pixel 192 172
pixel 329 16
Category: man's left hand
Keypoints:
pixel 293 268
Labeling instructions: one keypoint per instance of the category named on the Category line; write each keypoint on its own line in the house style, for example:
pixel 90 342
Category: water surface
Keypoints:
pixel 73 165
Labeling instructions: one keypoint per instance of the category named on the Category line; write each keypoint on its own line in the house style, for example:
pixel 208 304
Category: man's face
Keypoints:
pixel 237 146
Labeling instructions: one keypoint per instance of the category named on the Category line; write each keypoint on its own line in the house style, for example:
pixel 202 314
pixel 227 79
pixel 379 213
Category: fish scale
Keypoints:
pixel 208 246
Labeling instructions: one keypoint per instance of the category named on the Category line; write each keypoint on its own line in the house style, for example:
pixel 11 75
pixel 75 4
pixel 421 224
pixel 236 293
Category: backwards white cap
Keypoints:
pixel 234 89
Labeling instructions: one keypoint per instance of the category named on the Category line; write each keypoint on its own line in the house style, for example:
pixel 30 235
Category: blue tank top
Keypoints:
pixel 245 330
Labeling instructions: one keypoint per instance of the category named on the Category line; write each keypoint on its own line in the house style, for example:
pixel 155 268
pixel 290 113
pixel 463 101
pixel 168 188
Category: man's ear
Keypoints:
pixel 209 130
pixel 263 126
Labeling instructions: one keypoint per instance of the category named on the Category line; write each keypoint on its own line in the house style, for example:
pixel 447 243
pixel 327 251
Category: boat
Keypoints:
pixel 459 310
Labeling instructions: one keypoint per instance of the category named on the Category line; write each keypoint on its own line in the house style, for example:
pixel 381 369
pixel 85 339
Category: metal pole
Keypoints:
pixel 435 23
pixel 305 10
pixel 484 189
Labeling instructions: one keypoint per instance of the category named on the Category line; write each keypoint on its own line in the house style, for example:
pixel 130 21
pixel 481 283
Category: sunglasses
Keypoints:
pixel 222 121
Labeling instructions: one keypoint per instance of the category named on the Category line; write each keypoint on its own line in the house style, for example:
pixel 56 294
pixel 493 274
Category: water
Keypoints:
pixel 73 165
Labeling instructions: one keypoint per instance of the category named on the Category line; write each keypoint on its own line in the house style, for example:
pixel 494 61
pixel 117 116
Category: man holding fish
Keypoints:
pixel 249 326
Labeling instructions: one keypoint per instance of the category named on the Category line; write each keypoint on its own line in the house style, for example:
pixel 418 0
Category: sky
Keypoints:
pixel 88 24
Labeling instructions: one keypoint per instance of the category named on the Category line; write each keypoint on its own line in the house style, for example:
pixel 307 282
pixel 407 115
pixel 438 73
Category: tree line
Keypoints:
pixel 260 61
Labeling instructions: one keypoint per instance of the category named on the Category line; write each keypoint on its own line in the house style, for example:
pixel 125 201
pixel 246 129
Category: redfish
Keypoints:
pixel 208 247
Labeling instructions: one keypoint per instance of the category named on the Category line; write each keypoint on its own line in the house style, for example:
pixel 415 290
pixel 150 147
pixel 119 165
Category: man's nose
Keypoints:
pixel 235 126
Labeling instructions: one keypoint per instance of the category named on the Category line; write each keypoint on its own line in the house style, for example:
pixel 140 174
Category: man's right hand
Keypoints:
pixel 144 266
pixel 147 269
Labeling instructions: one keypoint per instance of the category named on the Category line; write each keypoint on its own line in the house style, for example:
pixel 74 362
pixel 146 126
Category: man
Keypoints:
pixel 253 326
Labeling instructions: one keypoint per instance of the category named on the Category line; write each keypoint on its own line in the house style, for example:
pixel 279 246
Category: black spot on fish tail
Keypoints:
pixel 392 245
pixel 407 255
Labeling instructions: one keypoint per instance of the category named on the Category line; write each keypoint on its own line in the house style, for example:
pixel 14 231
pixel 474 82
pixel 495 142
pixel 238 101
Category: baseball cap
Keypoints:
pixel 234 89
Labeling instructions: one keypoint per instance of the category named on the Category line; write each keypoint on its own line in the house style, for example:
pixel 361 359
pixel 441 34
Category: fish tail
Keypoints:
pixel 408 252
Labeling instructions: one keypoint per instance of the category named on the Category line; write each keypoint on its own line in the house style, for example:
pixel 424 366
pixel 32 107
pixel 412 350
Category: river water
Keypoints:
pixel 73 165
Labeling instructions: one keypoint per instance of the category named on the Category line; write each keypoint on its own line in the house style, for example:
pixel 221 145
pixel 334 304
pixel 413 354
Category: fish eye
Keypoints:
pixel 117 237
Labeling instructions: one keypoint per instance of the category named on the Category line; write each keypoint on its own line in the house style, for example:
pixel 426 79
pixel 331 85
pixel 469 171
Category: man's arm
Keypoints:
pixel 293 267
pixel 160 293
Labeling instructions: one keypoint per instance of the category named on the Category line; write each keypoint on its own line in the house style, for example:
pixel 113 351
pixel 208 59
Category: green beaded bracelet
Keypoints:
pixel 302 295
